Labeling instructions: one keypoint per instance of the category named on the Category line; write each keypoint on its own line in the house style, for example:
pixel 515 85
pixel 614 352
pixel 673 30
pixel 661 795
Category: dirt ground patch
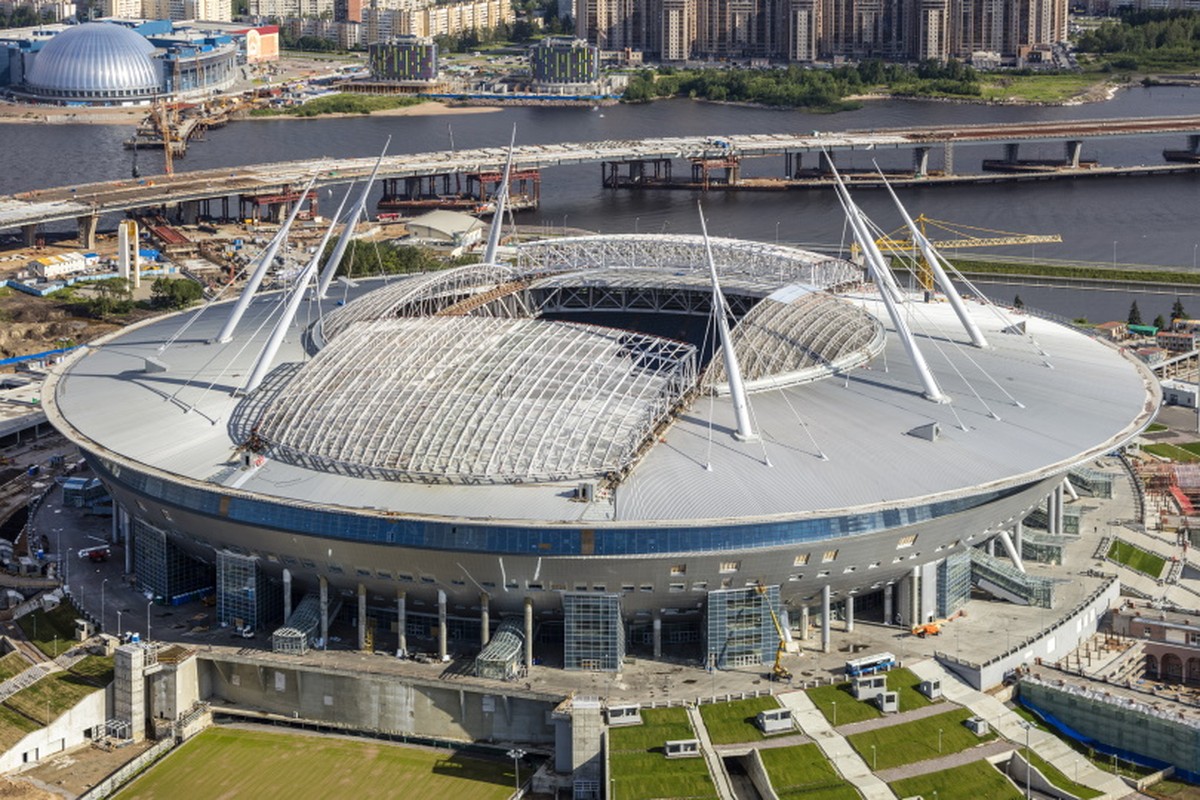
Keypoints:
pixel 33 324
pixel 75 772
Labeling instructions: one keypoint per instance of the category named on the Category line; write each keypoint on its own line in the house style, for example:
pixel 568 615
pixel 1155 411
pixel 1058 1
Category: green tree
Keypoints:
pixel 1135 314
pixel 175 292
pixel 1178 311
pixel 1018 303
pixel 1159 322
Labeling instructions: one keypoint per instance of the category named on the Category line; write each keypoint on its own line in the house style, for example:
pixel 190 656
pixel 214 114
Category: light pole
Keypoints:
pixel 565 224
pixel 776 231
pixel 873 762
pixel 1027 726
pixel 939 740
pixel 1114 253
pixel 517 754
pixel 102 604
pixel 148 605
pixel 834 712
pixel 120 611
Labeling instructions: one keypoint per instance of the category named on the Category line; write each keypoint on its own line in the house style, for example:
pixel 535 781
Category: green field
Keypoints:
pixel 14 726
pixel 803 771
pixel 1037 88
pixel 978 780
pixel 1136 558
pixel 1182 454
pixel 1055 776
pixel 730 723
pixel 917 740
pixel 225 762
pixel 1156 427
pixel 638 767
pixel 12 665
pixel 52 631
pixel 849 710
pixel 51 696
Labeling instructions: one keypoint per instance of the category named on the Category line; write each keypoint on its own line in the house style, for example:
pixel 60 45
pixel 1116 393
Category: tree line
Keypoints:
pixel 1145 38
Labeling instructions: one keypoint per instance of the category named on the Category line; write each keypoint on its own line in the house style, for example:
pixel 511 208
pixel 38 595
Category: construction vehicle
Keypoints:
pixel 900 243
pixel 927 629
pixel 778 672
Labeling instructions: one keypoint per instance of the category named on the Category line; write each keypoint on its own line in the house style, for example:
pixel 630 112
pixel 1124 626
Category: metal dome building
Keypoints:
pixel 95 62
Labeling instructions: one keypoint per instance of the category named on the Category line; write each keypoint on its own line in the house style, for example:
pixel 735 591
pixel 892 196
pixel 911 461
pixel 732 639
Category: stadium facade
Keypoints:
pixel 556 445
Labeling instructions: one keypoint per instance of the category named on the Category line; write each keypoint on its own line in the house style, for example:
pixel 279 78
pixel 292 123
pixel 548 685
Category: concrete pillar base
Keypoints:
pixel 826 620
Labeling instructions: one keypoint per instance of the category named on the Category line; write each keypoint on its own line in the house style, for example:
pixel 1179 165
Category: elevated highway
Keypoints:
pixel 279 182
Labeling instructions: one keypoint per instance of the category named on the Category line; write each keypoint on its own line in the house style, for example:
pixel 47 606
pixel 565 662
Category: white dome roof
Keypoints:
pixel 97 60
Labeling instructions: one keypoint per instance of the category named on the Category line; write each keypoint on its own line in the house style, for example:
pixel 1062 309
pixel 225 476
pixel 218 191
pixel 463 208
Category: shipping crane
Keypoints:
pixel 778 671
pixel 898 242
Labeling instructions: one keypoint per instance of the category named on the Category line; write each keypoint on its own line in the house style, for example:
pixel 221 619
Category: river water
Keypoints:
pixel 1129 220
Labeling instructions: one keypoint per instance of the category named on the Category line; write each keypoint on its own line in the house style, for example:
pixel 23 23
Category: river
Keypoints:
pixel 1126 220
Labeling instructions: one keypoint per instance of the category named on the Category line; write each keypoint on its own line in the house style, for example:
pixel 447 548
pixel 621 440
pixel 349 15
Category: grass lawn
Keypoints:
pixel 730 723
pixel 1165 450
pixel 640 771
pixel 1156 427
pixel 1037 88
pixel 917 740
pixel 42 627
pixel 978 780
pixel 1175 789
pixel 51 695
pixel 1191 447
pixel 12 665
pixel 1055 776
pixel 13 727
pixel 851 710
pixel 1136 558
pixel 223 762
pixel 803 771
pixel 97 669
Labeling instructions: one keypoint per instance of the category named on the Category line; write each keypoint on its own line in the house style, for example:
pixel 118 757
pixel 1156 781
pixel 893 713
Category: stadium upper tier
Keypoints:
pixel 487 393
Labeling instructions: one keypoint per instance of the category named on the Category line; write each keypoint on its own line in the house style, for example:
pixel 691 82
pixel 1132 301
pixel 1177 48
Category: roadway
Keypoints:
pixel 89 200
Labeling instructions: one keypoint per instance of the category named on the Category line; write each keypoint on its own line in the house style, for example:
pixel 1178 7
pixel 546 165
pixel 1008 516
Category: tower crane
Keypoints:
pixel 958 236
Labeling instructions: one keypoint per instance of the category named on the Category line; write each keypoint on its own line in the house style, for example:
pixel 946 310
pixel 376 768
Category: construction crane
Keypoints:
pixel 778 671
pixel 163 121
pixel 898 242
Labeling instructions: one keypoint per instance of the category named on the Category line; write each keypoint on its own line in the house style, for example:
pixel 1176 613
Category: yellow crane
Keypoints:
pixel 163 122
pixel 899 242
pixel 778 671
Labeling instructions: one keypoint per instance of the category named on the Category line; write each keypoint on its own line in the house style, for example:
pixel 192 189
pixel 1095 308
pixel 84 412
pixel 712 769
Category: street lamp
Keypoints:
pixel 834 712
pixel 873 762
pixel 939 740
pixel 120 611
pixel 102 604
pixel 148 605
pixel 1027 726
pixel 776 231
pixel 565 224
pixel 517 754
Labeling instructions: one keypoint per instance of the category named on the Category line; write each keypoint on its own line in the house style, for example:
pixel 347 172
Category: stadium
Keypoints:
pixel 564 455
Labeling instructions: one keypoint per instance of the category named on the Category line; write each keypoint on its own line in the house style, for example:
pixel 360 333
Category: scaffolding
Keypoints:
pixel 501 659
pixel 302 628
pixel 1001 579
pixel 162 567
pixel 1092 481
pixel 740 630
pixel 593 632
pixel 953 583
pixel 246 597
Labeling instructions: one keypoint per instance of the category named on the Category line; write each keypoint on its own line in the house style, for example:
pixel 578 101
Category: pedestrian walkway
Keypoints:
pixel 888 720
pixel 716 767
pixel 1011 726
pixel 770 743
pixel 987 750
pixel 835 747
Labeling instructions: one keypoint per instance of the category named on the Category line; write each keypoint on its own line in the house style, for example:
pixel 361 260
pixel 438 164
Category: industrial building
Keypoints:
pixel 558 458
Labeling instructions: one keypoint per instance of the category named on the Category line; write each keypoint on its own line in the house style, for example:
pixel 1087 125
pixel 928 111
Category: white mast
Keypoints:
pixel 264 263
pixel 272 347
pixel 493 242
pixel 737 391
pixel 878 271
pixel 933 259
pixel 335 257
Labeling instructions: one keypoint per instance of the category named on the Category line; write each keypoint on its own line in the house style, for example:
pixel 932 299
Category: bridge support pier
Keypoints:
pixel 29 235
pixel 826 162
pixel 948 158
pixel 1012 152
pixel 636 173
pixel 1074 148
pixel 1194 142
pixel 87 230
pixel 920 162
pixel 792 164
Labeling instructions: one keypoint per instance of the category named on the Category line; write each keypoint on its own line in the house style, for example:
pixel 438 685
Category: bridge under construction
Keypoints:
pixel 716 164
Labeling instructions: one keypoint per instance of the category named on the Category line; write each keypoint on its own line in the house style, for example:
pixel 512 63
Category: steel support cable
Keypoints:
pixel 278 309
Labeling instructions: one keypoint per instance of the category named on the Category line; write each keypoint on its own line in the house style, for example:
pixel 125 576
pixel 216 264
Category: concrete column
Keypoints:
pixel 1059 502
pixel 657 627
pixel 287 594
pixel 1070 489
pixel 325 611
pixel 921 162
pixel 1074 148
pixel 125 534
pixel 826 162
pixel 362 617
pixel 528 633
pixel 442 649
pixel 112 535
pixel 914 588
pixel 1012 152
pixel 849 613
pixel 87 230
pixel 804 623
pixel 991 546
pixel 402 622
pixel 29 235
pixel 485 625
pixel 948 158
pixel 1019 535
pixel 826 620
pixel 888 599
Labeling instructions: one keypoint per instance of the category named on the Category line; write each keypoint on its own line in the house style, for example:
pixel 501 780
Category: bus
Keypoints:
pixel 868 665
